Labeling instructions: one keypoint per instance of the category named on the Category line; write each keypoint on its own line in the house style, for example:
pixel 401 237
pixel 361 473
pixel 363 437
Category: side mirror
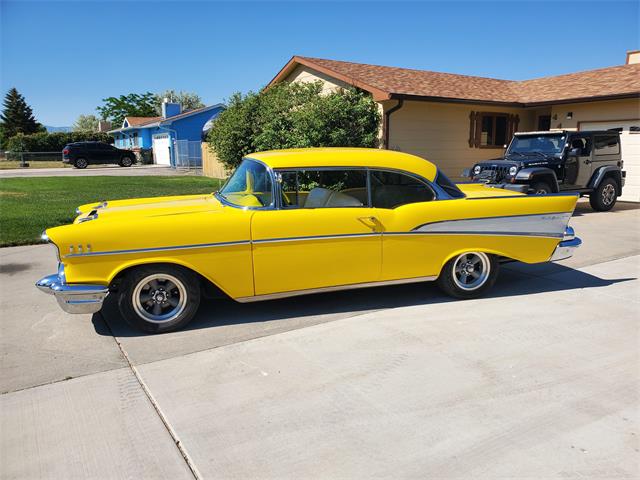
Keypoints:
pixel 575 152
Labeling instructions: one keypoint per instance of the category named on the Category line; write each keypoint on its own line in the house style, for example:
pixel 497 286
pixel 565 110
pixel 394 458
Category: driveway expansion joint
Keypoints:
pixel 154 403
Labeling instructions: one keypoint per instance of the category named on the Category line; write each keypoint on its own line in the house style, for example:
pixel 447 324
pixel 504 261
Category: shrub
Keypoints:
pixel 52 142
pixel 294 115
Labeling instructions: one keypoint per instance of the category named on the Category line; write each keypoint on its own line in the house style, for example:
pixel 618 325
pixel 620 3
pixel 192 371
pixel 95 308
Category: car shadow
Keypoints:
pixel 583 208
pixel 516 279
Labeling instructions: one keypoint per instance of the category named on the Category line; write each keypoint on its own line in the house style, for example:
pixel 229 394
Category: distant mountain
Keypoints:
pixel 57 129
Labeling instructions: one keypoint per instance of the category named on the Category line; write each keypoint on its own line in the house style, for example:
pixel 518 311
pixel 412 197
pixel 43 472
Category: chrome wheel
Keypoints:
pixel 608 194
pixel 81 163
pixel 127 162
pixel 471 270
pixel 159 298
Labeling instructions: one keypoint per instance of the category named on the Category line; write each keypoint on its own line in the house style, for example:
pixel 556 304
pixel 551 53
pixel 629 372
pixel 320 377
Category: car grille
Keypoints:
pixel 493 173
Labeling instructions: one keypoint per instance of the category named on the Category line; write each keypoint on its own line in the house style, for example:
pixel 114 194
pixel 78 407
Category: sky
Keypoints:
pixel 65 57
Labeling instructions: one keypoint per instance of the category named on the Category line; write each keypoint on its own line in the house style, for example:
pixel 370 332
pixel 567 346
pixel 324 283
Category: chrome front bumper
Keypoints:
pixel 77 298
pixel 567 246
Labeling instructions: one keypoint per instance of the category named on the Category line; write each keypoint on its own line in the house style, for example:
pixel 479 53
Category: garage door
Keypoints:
pixel 161 149
pixel 630 148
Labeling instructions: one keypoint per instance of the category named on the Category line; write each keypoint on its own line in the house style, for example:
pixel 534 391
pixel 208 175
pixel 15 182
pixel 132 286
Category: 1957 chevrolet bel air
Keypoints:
pixel 302 221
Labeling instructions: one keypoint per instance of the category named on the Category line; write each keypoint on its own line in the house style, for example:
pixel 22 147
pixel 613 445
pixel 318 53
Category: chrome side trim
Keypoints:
pixel 316 237
pixel 352 286
pixel 159 249
pixel 559 194
pixel 479 233
pixel 546 224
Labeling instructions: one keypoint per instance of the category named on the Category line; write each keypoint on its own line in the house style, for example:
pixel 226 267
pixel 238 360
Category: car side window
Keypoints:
pixel 324 188
pixel 582 143
pixel 606 144
pixel 392 189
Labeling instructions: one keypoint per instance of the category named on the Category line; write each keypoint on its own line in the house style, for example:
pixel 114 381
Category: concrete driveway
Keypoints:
pixel 96 170
pixel 541 379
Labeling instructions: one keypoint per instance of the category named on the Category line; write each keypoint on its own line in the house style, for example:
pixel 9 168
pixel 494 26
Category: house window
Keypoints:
pixel 135 139
pixel 491 129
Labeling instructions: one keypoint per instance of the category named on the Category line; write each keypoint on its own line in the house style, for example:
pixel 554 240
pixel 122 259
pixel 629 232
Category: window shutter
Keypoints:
pixel 472 129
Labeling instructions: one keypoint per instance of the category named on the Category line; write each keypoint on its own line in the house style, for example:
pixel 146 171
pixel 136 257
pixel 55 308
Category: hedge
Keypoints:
pixel 52 142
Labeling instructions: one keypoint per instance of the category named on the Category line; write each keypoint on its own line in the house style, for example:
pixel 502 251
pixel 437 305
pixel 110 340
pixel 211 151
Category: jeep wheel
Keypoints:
pixel 468 275
pixel 604 197
pixel 159 298
pixel 126 161
pixel 80 163
pixel 540 188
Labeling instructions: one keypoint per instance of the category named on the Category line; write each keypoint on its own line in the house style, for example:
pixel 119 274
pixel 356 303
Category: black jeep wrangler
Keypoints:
pixel 587 163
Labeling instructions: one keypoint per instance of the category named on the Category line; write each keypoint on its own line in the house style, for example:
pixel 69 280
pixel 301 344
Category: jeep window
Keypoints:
pixel 547 144
pixel 249 186
pixel 606 144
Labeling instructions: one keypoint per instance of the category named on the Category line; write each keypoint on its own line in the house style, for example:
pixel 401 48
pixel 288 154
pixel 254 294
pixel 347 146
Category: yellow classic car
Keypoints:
pixel 293 222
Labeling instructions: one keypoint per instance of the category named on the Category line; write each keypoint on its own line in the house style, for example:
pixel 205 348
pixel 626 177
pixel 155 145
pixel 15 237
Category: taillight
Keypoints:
pixel 65 151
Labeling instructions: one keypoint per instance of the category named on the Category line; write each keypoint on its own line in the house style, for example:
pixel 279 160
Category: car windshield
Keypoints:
pixel 249 186
pixel 532 144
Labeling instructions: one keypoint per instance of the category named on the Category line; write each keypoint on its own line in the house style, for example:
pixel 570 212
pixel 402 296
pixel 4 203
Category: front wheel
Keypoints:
pixel 604 197
pixel 126 162
pixel 540 188
pixel 159 298
pixel 469 275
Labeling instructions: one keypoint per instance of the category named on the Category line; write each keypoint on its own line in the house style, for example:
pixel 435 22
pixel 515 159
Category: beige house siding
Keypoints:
pixel 440 133
pixel 305 74
pixel 628 109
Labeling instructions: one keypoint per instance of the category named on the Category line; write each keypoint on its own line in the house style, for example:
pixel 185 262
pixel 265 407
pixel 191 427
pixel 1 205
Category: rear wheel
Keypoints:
pixel 604 197
pixel 540 188
pixel 126 161
pixel 159 298
pixel 468 275
pixel 80 163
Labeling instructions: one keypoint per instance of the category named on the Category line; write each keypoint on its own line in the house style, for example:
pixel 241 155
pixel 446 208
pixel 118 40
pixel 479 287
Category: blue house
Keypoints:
pixel 174 136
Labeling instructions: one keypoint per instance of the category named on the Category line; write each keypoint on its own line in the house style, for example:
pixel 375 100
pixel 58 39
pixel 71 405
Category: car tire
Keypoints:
pixel 603 198
pixel 540 188
pixel 126 161
pixel 80 163
pixel 159 298
pixel 468 275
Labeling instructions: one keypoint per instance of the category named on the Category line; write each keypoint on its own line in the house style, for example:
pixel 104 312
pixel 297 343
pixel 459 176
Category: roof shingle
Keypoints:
pixel 385 82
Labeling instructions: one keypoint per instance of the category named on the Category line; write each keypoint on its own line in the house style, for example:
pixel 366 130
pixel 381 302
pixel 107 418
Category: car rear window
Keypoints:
pixel 448 186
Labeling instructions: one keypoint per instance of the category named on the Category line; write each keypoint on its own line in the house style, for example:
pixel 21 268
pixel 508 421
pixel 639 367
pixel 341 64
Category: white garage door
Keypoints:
pixel 161 150
pixel 630 148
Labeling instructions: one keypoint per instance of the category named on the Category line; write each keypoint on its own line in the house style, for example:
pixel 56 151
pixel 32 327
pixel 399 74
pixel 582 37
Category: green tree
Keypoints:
pixel 17 117
pixel 294 115
pixel 115 109
pixel 188 100
pixel 86 123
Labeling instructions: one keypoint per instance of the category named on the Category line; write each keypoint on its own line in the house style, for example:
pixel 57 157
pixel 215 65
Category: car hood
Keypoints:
pixel 147 207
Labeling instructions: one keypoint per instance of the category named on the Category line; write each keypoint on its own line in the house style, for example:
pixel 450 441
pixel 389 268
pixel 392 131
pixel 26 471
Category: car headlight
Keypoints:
pixel 477 169
pixel 513 170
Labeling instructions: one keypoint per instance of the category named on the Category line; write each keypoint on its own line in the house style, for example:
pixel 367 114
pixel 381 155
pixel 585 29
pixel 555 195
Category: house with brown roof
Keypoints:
pixel 456 120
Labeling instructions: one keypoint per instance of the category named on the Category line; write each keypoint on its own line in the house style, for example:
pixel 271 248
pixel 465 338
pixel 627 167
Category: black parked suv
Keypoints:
pixel 81 154
pixel 587 163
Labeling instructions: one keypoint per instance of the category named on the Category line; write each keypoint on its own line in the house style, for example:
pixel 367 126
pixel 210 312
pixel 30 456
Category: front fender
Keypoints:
pixel 542 173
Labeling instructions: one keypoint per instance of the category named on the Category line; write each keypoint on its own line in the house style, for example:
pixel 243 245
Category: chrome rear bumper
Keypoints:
pixel 567 246
pixel 76 298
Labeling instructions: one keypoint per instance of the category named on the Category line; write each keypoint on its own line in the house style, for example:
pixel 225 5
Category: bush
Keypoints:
pixel 52 142
pixel 294 115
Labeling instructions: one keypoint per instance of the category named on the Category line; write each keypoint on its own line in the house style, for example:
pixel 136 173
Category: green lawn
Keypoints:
pixel 30 205
pixel 12 164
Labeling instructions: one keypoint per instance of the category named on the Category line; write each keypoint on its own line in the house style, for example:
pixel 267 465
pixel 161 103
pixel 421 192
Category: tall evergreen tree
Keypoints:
pixel 17 116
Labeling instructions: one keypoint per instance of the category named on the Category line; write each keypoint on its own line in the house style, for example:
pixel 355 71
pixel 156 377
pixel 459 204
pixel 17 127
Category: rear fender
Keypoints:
pixel 604 172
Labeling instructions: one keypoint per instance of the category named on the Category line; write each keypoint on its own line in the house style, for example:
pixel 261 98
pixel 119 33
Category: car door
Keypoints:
pixel 323 233
pixel 578 165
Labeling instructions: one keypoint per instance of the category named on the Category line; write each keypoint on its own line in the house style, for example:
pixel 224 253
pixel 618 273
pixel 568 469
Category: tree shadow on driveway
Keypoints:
pixel 515 280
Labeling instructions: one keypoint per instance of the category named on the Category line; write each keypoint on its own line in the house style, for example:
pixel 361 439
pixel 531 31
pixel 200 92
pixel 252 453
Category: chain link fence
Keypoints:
pixel 188 154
